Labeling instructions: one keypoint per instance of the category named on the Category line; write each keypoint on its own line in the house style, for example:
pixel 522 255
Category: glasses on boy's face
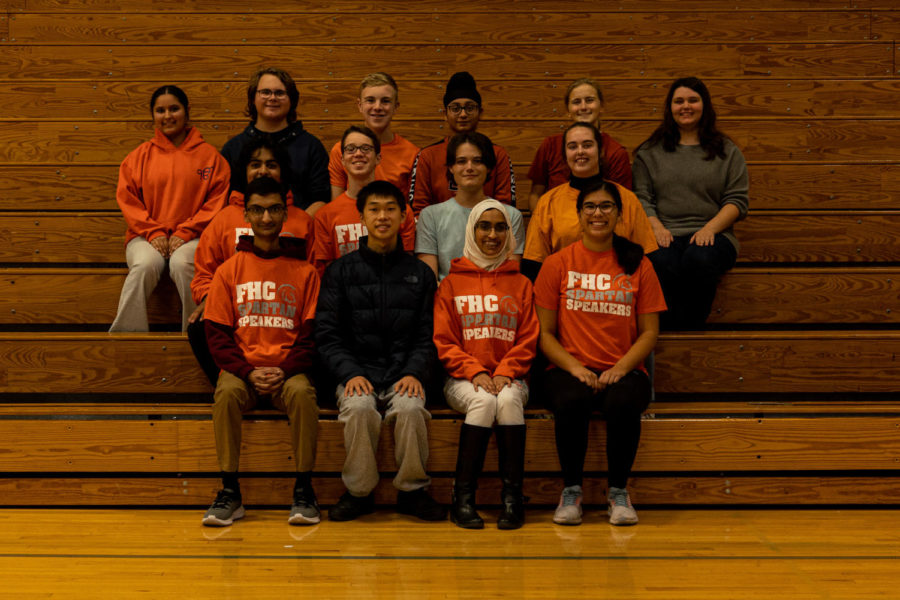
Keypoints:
pixel 351 149
pixel 486 227
pixel 274 211
pixel 590 208
pixel 455 109
pixel 267 93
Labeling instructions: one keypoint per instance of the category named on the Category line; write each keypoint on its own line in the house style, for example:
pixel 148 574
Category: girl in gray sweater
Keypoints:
pixel 692 181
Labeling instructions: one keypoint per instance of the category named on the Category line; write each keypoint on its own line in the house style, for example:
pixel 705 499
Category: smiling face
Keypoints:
pixel 170 117
pixel 582 152
pixel 272 102
pixel 687 108
pixel 378 104
pixel 263 164
pixel 382 216
pixel 491 231
pixel 598 216
pixel 265 214
pixel 468 170
pixel 463 115
pixel 584 105
pixel 358 156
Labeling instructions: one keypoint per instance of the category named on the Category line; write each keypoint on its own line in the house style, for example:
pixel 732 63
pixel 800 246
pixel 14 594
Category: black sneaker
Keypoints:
pixel 225 509
pixel 419 504
pixel 305 509
pixel 351 507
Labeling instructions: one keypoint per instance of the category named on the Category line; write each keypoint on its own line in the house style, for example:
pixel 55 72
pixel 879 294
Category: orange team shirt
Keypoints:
pixel 485 321
pixel 219 240
pixel 338 229
pixel 597 304
pixel 164 190
pixel 549 166
pixel 429 183
pixel 397 158
pixel 554 223
pixel 269 302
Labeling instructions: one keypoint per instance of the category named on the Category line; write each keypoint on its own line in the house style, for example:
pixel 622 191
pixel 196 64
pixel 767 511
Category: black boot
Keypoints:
pixel 473 441
pixel 511 447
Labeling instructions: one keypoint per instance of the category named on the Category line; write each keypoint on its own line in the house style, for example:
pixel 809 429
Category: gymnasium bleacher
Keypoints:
pixel 791 397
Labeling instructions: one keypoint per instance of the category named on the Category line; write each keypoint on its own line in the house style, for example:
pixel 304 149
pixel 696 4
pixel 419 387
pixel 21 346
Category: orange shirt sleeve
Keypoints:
pixel 537 238
pixel 130 198
pixel 216 195
pixel 336 172
pixel 638 228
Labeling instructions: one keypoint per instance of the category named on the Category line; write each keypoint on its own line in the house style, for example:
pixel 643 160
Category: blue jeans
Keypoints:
pixel 689 275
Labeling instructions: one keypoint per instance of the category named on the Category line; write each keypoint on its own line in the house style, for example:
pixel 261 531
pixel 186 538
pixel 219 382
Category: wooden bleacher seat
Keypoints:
pixel 791 399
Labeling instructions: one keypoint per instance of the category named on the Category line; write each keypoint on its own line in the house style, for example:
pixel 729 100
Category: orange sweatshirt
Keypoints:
pixel 164 190
pixel 338 229
pixel 485 321
pixel 264 302
pixel 397 158
pixel 219 240
pixel 554 223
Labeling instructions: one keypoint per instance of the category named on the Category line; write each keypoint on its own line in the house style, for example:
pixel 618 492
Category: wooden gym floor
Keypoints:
pixel 671 554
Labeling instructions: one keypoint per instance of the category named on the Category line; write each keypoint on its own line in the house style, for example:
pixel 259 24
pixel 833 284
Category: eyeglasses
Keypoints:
pixel 469 109
pixel 274 211
pixel 590 208
pixel 350 149
pixel 487 227
pixel 267 93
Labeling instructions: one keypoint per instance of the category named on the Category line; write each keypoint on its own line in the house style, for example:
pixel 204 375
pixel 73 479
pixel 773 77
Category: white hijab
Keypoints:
pixel 471 249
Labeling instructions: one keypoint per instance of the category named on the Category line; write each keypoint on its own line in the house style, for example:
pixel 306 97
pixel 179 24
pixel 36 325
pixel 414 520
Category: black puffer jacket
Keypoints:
pixel 374 317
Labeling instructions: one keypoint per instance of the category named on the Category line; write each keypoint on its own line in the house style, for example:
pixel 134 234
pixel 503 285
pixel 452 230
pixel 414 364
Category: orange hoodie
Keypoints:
pixel 485 321
pixel 164 190
pixel 219 240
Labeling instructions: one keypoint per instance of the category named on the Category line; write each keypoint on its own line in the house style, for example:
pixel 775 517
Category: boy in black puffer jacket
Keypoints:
pixel 374 335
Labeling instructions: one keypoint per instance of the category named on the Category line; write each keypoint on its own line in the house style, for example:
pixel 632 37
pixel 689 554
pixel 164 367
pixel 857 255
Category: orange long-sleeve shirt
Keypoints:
pixel 164 190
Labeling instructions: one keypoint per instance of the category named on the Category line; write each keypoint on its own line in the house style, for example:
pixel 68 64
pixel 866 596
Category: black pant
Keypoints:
pixel 689 275
pixel 196 333
pixel 572 403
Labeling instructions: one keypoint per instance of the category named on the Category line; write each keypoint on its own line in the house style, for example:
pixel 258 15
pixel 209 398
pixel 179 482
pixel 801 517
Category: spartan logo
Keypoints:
pixel 623 282
pixel 508 305
pixel 287 293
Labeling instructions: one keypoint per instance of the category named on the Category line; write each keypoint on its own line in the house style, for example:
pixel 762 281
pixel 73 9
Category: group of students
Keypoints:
pixel 290 261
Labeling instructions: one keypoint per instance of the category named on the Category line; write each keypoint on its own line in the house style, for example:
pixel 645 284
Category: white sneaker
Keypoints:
pixel 569 510
pixel 621 512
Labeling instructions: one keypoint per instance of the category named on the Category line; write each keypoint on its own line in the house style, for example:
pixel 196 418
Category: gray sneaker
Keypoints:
pixel 569 510
pixel 225 509
pixel 305 509
pixel 621 512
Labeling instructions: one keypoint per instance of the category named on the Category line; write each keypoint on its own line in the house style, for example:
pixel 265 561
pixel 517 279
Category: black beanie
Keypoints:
pixel 461 85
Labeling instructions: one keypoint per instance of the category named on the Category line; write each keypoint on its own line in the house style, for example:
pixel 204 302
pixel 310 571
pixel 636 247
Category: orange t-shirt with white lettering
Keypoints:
pixel 337 230
pixel 597 304
pixel 268 301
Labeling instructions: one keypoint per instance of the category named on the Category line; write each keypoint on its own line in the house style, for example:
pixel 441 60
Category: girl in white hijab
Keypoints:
pixel 486 331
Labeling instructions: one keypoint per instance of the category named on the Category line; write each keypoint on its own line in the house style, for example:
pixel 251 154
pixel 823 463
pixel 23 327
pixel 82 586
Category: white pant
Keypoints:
pixel 483 408
pixel 145 267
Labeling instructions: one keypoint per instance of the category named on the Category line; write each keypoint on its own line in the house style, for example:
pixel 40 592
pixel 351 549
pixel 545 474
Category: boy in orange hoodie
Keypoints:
pixel 259 314
pixel 260 157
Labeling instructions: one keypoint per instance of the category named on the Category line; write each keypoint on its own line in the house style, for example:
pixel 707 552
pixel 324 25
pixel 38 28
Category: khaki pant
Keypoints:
pixel 234 397
pixel 362 426
pixel 145 267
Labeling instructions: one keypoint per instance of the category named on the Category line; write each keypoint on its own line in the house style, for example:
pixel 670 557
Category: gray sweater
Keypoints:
pixel 684 191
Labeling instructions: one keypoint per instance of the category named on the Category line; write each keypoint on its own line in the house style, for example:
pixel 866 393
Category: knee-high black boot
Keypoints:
pixel 511 446
pixel 473 441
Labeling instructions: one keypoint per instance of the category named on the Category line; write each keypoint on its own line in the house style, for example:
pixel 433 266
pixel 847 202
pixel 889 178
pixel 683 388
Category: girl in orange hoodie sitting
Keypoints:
pixel 486 332
pixel 169 189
